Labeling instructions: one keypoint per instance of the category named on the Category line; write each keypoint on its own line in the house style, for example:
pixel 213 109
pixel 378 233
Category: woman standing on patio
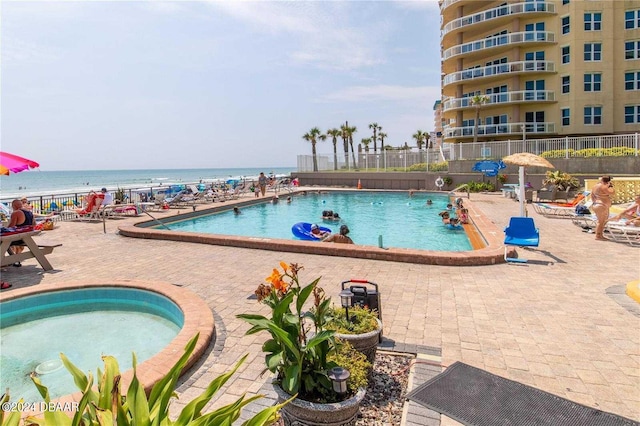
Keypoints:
pixel 601 196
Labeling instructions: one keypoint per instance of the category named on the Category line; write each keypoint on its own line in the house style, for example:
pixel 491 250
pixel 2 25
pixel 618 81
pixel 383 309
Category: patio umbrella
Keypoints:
pixel 525 159
pixel 10 163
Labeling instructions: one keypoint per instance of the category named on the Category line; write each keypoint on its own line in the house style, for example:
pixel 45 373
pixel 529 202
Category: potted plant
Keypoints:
pixel 362 329
pixel 562 181
pixel 303 353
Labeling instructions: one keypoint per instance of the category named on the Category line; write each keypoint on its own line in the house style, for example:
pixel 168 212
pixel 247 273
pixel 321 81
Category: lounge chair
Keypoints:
pixel 521 232
pixel 623 233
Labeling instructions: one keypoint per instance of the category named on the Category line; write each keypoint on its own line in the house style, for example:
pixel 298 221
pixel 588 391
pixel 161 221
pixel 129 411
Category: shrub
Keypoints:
pixel 356 362
pixel 363 320
pixel 561 180
pixel 480 186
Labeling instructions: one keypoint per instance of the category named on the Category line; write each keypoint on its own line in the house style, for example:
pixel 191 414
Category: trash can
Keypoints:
pixel 365 293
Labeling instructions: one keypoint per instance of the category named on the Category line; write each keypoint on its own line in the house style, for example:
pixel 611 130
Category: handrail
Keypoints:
pixel 500 40
pixel 517 67
pixel 457 189
pixel 156 220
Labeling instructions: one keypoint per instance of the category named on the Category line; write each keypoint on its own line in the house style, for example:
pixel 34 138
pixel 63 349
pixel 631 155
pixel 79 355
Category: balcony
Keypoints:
pixel 503 98
pixel 519 67
pixel 446 3
pixel 505 13
pixel 505 129
pixel 509 40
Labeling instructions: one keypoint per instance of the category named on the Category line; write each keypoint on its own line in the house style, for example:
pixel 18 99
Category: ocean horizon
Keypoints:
pixel 33 183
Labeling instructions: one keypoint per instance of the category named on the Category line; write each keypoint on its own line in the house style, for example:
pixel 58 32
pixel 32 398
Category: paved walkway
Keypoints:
pixel 560 323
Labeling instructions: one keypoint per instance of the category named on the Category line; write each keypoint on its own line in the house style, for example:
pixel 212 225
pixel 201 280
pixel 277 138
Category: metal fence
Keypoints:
pixel 403 159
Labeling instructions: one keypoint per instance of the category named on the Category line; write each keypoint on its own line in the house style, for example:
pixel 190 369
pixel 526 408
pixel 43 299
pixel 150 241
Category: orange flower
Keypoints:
pixel 280 285
pixel 275 276
pixel 284 266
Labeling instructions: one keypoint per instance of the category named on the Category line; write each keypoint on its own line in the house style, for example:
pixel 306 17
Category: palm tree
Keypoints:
pixel 478 101
pixel 352 130
pixel 366 142
pixel 334 133
pixel 312 136
pixel 381 136
pixel 427 140
pixel 345 143
pixel 375 128
pixel 419 137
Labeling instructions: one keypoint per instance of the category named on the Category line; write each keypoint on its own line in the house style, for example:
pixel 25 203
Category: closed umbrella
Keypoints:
pixel 10 163
pixel 525 159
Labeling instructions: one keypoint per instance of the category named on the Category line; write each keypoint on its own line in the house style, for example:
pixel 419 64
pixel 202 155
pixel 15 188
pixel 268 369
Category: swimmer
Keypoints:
pixel 288 200
pixel 236 210
pixel 411 193
pixel 317 232
pixel 429 202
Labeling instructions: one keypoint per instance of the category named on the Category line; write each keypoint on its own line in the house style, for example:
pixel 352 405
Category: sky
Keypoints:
pixel 183 84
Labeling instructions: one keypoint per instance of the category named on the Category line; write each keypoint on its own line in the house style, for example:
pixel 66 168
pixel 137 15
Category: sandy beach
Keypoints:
pixel 561 323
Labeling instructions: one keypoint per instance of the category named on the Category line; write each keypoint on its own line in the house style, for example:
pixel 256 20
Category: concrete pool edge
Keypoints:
pixel 491 254
pixel 198 318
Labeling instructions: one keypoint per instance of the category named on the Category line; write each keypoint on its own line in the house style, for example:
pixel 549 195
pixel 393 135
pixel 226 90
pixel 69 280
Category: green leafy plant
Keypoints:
pixel 357 363
pixel 480 186
pixel 108 406
pixel 447 180
pixel 120 196
pixel 362 320
pixel 300 345
pixel 501 177
pixel 616 151
pixel 561 180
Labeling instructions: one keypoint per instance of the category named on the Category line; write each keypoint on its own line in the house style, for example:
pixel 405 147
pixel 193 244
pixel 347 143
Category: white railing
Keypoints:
pixel 500 40
pixel 502 98
pixel 498 12
pixel 446 3
pixel 499 129
pixel 518 67
pixel 404 159
pixel 566 146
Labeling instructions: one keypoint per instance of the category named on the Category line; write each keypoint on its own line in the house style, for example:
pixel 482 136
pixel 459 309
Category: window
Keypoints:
pixel 593 21
pixel 631 114
pixel 534 90
pixel 566 26
pixel 632 50
pixel 632 80
pixel 534 32
pixel 566 55
pixel 565 1
pixel 566 84
pixel 632 19
pixel 592 82
pixel 535 122
pixel 566 116
pixel 593 51
pixel 593 115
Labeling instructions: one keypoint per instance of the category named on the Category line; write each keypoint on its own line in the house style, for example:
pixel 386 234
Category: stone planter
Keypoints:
pixel 304 413
pixel 366 343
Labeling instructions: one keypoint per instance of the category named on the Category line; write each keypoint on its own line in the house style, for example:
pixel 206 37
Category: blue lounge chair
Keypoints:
pixel 521 232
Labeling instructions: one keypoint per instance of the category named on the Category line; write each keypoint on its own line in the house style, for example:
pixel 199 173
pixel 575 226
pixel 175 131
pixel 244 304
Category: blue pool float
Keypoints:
pixel 302 230
pixel 453 227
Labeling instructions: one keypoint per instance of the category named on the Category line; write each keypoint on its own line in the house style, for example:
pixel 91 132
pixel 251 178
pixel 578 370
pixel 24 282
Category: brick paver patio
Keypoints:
pixel 560 323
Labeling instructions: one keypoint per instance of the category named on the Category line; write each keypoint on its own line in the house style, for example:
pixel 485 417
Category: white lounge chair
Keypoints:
pixel 623 233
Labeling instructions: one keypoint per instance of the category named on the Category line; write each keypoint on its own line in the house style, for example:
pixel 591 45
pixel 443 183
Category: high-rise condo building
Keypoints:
pixel 539 69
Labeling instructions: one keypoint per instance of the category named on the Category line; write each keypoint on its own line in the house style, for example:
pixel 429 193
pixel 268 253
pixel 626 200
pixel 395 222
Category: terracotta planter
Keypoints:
pixel 366 343
pixel 304 413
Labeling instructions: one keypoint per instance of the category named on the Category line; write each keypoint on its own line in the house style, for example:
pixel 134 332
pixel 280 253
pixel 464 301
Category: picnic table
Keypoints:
pixel 35 250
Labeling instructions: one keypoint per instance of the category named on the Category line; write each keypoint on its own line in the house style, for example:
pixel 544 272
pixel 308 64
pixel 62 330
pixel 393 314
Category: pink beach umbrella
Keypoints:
pixel 10 163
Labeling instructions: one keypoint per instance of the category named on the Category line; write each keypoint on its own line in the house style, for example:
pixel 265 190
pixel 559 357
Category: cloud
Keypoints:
pixel 327 35
pixel 384 92
pixel 417 4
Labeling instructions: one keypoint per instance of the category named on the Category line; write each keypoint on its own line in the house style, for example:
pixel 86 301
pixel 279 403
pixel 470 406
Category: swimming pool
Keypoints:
pixel 484 235
pixel 85 320
pixel 391 217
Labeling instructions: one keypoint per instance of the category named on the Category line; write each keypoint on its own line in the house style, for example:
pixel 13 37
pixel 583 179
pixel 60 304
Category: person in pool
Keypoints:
pixel 236 211
pixel 341 238
pixel 327 214
pixel 317 232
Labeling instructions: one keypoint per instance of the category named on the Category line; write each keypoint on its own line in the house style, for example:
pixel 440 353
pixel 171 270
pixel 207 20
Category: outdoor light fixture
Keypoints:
pixel 339 376
pixel 346 296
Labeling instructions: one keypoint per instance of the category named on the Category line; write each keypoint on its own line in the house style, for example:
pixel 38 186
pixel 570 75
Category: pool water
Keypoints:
pixel 36 329
pixel 401 221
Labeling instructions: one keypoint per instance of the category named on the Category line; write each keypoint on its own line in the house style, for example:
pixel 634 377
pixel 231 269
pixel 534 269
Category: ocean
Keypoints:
pixel 35 182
